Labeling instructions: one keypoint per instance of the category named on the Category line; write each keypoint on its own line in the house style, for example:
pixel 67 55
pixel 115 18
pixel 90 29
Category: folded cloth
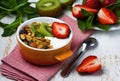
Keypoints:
pixel 15 67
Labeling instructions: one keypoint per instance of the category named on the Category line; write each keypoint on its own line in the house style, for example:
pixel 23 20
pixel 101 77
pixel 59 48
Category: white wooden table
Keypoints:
pixel 108 52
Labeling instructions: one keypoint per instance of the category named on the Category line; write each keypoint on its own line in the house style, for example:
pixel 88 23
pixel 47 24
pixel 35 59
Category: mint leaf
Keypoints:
pixel 2 14
pixel 10 29
pixel 2 25
pixel 104 27
pixel 90 22
pixel 86 13
pixel 82 24
pixel 87 22
pixel 8 3
pixel 19 8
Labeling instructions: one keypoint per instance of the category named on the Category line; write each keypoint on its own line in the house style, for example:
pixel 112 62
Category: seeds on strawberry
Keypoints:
pixel 95 4
pixel 60 30
pixel 107 2
pixel 89 65
pixel 106 16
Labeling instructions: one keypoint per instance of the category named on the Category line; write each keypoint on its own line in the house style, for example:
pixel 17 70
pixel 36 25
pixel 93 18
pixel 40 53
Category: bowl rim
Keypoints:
pixel 27 22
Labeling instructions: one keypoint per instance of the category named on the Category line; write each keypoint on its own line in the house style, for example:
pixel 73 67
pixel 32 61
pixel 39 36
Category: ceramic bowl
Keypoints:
pixel 60 51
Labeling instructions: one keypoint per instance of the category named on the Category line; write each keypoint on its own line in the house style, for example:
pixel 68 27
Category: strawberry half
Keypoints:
pixel 76 10
pixel 60 30
pixel 107 2
pixel 89 65
pixel 95 4
pixel 106 16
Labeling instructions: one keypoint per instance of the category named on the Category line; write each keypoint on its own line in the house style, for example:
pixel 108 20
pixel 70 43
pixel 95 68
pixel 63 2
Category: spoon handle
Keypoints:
pixel 72 62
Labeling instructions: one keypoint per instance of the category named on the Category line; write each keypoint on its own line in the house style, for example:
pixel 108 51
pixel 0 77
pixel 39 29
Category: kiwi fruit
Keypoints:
pixel 51 8
pixel 44 31
pixel 66 3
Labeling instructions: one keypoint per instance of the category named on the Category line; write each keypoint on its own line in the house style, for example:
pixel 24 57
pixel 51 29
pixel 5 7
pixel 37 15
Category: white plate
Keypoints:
pixel 113 27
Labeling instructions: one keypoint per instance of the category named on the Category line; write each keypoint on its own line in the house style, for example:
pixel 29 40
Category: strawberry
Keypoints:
pixel 95 4
pixel 107 2
pixel 76 10
pixel 89 65
pixel 106 16
pixel 60 30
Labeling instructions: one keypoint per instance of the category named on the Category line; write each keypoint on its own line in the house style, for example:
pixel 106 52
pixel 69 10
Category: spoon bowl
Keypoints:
pixel 90 43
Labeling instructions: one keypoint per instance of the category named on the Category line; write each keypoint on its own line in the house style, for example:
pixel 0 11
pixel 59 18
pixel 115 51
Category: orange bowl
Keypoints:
pixel 60 51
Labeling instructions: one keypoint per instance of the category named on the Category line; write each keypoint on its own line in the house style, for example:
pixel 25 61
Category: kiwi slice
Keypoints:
pixel 51 8
pixel 66 3
pixel 44 31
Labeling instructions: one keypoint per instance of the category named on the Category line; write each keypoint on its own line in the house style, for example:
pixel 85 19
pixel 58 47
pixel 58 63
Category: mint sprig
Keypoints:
pixel 18 8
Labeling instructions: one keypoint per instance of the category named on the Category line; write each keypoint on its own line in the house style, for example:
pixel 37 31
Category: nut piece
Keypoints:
pixel 28 37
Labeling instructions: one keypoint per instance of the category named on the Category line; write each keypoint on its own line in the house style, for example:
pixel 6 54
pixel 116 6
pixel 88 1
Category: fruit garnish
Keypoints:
pixel 95 4
pixel 50 8
pixel 76 10
pixel 60 30
pixel 106 16
pixel 41 29
pixel 90 64
pixel 44 30
pixel 107 2
pixel 90 20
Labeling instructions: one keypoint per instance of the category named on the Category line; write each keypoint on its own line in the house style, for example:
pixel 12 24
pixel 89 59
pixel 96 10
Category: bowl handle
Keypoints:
pixel 63 56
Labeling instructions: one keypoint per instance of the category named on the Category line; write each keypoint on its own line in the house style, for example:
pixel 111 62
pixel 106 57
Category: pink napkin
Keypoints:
pixel 15 67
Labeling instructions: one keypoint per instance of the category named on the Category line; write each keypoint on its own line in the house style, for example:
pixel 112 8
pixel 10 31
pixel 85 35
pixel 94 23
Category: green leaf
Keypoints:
pixel 90 22
pixel 83 2
pixel 82 24
pixel 118 21
pixel 86 13
pixel 11 28
pixel 103 27
pixel 8 3
pixel 3 25
pixel 14 8
pixel 87 22
pixel 19 8
pixel 69 8
pixel 2 14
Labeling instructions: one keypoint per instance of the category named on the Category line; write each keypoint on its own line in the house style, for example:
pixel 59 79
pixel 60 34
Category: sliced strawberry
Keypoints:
pixel 89 65
pixel 60 30
pixel 76 10
pixel 95 4
pixel 106 16
pixel 107 2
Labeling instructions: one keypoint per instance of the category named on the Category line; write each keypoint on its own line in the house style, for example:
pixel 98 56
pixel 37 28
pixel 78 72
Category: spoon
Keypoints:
pixel 90 43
